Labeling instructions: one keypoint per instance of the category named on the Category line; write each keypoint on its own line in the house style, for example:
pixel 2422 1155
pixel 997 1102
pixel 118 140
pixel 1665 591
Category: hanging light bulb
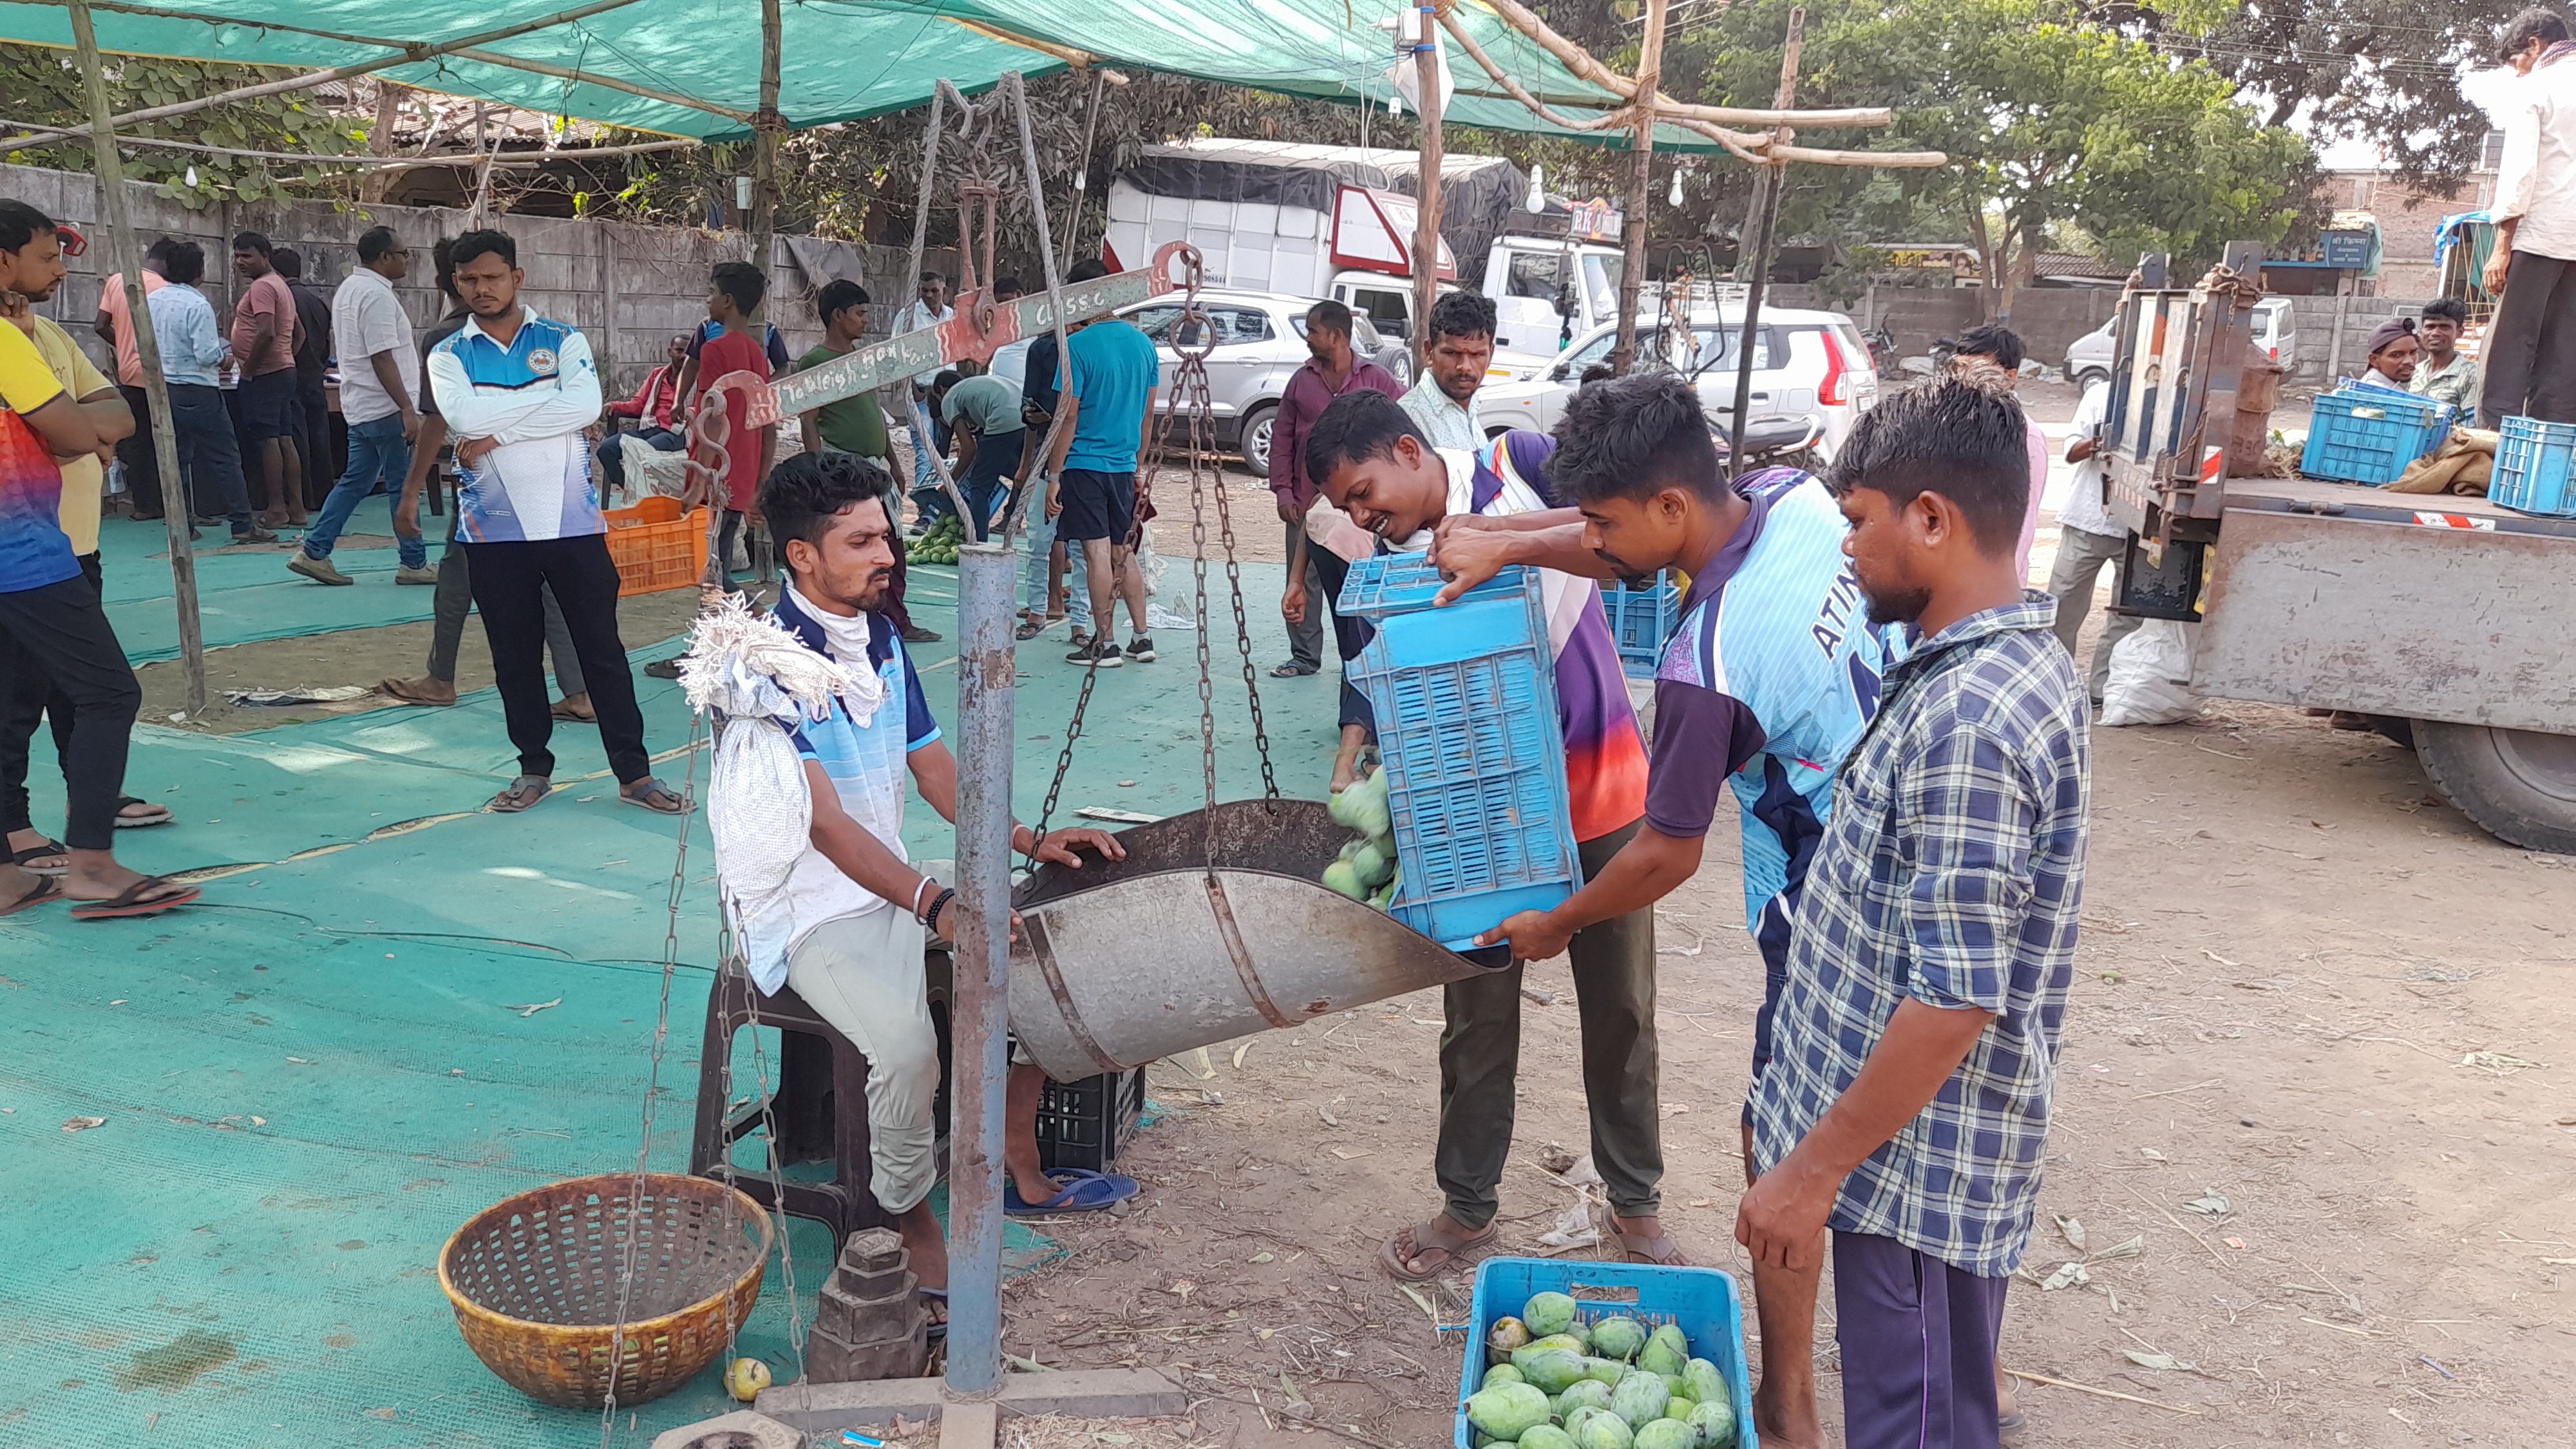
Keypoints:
pixel 1538 190
pixel 1394 104
pixel 1675 196
pixel 192 175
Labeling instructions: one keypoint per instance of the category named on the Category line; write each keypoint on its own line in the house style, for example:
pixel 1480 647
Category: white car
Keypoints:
pixel 1260 344
pixel 2088 358
pixel 1805 364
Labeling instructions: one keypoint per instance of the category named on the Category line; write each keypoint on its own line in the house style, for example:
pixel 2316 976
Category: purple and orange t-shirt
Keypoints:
pixel 1605 755
pixel 34 551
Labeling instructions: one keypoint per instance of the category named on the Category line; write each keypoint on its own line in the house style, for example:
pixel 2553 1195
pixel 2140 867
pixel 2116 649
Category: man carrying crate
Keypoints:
pixel 1768 681
pixel 1371 459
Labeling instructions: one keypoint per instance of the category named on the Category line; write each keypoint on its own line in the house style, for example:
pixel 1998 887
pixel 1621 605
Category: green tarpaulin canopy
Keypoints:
pixel 692 67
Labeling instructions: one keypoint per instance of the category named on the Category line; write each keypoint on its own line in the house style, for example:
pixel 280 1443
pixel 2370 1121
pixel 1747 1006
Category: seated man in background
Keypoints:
pixel 2445 373
pixel 2393 355
pixel 659 423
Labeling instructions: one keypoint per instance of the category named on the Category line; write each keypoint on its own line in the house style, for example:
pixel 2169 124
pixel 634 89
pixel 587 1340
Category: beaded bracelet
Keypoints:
pixel 938 903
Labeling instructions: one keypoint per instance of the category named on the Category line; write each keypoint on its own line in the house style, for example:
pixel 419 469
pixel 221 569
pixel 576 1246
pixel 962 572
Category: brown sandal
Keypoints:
pixel 1660 1249
pixel 1439 1257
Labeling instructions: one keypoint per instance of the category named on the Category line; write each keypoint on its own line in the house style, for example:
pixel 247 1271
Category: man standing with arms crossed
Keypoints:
pixel 1908 1101
pixel 379 375
pixel 1331 370
pixel 1110 379
pixel 2530 351
pixel 517 390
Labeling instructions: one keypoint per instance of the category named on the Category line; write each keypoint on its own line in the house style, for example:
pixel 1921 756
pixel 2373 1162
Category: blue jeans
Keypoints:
pixel 377 450
pixel 209 456
pixel 997 457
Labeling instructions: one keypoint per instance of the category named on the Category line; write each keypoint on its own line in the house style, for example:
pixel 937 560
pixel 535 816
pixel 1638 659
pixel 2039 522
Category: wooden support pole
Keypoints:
pixel 768 128
pixel 1426 225
pixel 176 508
pixel 1641 193
pixel 405 53
pixel 1768 177
pixel 1774 182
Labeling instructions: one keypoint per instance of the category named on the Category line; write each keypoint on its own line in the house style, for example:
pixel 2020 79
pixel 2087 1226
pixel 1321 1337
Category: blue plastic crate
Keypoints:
pixel 1703 1302
pixel 2369 434
pixel 2533 468
pixel 1465 700
pixel 1641 619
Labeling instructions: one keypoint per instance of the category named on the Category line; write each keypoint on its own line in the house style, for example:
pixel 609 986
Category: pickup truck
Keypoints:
pixel 2450 620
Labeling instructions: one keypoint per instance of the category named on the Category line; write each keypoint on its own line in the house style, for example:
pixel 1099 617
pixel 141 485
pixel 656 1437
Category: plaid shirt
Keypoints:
pixel 1952 872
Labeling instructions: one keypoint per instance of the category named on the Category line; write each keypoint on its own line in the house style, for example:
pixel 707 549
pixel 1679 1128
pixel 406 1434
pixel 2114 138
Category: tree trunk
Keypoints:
pixel 380 139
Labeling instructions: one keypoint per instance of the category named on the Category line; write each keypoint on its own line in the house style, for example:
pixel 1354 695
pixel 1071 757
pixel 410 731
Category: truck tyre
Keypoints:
pixel 2518 785
pixel 1256 438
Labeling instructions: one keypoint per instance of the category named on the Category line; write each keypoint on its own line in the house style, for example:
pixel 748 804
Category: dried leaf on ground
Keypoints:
pixel 2160 1361
pixel 2072 1231
pixel 83 1124
pixel 534 1007
pixel 2067 1275
pixel 2130 1249
pixel 2209 1204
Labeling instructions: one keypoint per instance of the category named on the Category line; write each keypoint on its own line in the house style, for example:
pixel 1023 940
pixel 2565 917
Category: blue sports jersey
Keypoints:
pixel 533 398
pixel 1775 641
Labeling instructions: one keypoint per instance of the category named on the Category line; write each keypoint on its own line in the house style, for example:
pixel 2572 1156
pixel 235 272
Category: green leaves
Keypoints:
pixel 44 86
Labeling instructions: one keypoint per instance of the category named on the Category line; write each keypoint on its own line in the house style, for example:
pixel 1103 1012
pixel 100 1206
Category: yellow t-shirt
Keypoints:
pixel 84 481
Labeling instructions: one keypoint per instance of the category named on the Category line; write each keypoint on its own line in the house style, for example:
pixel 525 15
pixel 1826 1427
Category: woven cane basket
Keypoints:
pixel 534 1279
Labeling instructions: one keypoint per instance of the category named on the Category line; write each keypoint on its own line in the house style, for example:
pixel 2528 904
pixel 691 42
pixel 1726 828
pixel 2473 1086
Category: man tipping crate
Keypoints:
pixel 1371 459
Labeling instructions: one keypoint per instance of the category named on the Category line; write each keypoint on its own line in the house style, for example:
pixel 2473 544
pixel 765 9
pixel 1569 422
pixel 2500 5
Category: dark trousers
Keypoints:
pixel 142 462
pixel 28 694
pixel 510 583
pixel 1306 637
pixel 322 462
pixel 209 455
pixel 2530 352
pixel 1918 1340
pixel 997 457
pixel 1480 1054
pixel 59 640
pixel 454 599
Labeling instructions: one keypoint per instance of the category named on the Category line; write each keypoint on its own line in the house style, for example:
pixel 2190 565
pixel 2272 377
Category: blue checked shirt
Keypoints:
pixel 1952 872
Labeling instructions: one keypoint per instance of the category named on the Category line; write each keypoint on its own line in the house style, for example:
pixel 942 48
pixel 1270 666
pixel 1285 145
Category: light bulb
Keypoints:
pixel 1394 105
pixel 1676 196
pixel 1538 189
pixel 192 173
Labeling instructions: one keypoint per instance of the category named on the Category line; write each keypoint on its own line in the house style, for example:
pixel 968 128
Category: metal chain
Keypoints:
pixel 652 1086
pixel 1064 762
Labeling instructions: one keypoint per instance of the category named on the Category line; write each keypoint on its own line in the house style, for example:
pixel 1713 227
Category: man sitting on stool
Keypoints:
pixel 860 908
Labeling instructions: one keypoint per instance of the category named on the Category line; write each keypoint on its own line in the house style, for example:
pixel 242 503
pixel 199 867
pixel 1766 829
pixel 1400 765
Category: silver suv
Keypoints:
pixel 1260 344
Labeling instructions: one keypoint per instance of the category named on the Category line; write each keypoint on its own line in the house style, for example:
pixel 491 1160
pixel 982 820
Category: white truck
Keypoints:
pixel 1338 222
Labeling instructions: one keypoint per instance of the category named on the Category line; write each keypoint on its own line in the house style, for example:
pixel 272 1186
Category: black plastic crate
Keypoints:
pixel 1083 1124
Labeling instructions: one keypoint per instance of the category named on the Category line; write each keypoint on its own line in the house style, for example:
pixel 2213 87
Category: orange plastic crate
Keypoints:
pixel 656 547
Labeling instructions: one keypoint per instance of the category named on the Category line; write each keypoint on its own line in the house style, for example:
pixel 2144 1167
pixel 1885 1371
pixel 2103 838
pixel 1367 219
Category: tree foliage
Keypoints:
pixel 43 87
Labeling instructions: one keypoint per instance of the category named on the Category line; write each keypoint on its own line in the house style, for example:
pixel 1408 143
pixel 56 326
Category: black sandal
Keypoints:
pixel 25 859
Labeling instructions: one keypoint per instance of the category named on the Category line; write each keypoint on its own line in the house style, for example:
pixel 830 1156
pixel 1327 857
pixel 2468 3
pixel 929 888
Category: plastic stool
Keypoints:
pixel 819 1070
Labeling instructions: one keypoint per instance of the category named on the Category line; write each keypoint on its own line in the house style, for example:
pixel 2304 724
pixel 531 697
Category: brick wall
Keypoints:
pixel 629 288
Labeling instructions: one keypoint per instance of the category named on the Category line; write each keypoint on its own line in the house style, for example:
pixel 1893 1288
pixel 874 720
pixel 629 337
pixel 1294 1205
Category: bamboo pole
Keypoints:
pixel 1641 195
pixel 767 127
pixel 1428 198
pixel 407 53
pixel 1775 182
pixel 177 510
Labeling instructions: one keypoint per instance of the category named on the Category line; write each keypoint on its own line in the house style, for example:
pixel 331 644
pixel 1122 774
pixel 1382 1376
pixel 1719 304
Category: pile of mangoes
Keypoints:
pixel 939 545
pixel 1556 1382
pixel 1366 869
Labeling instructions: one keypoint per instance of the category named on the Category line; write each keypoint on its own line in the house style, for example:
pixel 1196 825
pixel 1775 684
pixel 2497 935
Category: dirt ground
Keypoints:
pixel 2317 1065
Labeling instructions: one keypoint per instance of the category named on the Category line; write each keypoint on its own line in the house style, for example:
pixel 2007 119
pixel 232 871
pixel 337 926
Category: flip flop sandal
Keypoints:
pixel 1295 671
pixel 45 889
pixel 1660 1250
pixel 1469 1249
pixel 25 859
pixel 1029 629
pixel 938 1326
pixel 140 822
pixel 563 711
pixel 522 793
pixel 649 793
pixel 1084 1192
pixel 131 902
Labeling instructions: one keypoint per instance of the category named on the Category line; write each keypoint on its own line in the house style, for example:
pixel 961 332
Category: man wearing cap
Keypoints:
pixel 2393 355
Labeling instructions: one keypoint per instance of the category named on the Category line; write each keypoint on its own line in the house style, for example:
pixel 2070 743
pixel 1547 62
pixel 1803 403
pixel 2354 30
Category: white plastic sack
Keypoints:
pixel 1159 613
pixel 2150 680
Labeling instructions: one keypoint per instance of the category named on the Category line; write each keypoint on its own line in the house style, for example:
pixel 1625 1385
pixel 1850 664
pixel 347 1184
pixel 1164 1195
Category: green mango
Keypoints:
pixel 1667 1434
pixel 1584 1392
pixel 1604 1430
pixel 1714 1422
pixel 1679 1408
pixel 1666 1351
pixel 1703 1383
pixel 1566 1341
pixel 1546 1313
pixel 1342 880
pixel 1605 1370
pixel 1546 1436
pixel 1506 1334
pixel 1502 1373
pixel 1639 1398
pixel 1618 1338
pixel 1673 1385
pixel 1507 1411
pixel 1550 1370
